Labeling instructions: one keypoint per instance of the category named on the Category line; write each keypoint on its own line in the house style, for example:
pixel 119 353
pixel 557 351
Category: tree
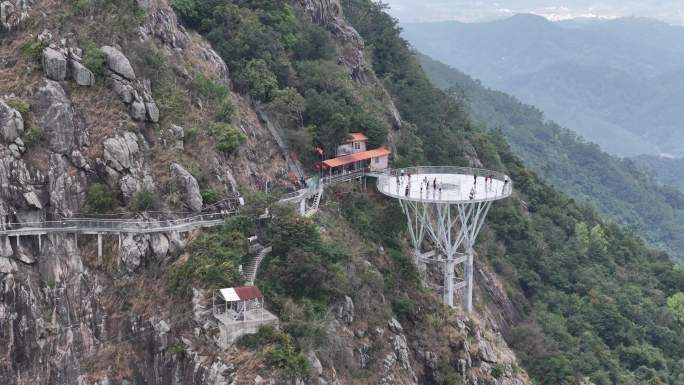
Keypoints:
pixel 257 79
pixel 99 199
pixel 290 104
pixel 676 305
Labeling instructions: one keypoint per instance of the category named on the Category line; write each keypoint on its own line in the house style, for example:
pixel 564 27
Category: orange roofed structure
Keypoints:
pixel 352 155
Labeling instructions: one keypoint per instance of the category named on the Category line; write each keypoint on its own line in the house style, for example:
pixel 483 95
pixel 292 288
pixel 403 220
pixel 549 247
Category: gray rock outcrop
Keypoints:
pixel 188 184
pixel 81 74
pixel 137 110
pixel 122 152
pixel 64 129
pixel 134 248
pixel 12 13
pixel 11 123
pixel 118 62
pixel 67 188
pixel 54 64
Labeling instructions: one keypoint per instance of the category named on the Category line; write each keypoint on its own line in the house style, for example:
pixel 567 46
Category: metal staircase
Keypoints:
pixel 313 209
pixel 250 271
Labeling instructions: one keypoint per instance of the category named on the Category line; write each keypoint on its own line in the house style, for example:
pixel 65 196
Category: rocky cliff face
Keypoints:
pixel 68 317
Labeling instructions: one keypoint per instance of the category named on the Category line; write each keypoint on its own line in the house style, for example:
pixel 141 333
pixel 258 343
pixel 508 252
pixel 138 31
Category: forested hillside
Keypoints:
pixel 667 171
pixel 617 187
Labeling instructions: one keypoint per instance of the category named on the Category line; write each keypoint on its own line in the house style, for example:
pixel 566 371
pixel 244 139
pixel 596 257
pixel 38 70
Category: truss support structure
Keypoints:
pixel 449 230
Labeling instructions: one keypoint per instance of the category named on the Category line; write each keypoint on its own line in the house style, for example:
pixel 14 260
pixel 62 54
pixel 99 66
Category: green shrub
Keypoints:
pixel 211 196
pixel 213 262
pixel 142 201
pixel 210 88
pixel 285 355
pixel 498 371
pixel 94 59
pixel 226 110
pixel 33 49
pixel 32 136
pixel 218 93
pixel 99 199
pixel 20 105
pixel 228 138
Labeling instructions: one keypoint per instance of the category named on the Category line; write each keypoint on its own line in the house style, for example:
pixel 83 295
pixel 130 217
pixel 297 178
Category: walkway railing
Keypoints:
pixel 96 225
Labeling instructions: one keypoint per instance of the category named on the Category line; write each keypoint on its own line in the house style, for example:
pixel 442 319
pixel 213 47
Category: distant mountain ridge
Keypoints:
pixel 616 82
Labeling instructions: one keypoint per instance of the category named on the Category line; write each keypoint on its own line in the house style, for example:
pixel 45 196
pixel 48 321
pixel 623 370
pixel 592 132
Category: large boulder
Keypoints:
pixel 54 64
pixel 11 123
pixel 137 110
pixel 118 63
pixel 121 152
pixel 188 184
pixel 134 249
pixel 152 112
pixel 64 129
pixel 122 87
pixel 81 74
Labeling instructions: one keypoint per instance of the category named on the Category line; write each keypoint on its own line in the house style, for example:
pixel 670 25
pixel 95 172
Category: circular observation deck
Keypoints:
pixel 454 185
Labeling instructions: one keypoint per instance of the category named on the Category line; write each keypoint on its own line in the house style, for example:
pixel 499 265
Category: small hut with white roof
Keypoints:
pixel 240 311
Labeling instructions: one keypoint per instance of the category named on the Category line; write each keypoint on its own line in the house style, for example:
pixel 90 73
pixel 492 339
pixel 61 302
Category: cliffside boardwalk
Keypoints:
pixel 445 208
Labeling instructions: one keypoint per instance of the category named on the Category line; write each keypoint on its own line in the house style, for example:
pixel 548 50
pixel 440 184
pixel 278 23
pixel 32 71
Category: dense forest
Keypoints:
pixel 617 187
pixel 595 299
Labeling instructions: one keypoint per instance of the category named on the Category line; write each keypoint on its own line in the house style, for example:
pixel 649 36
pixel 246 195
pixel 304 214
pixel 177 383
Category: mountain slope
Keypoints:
pixel 617 187
pixel 574 321
pixel 610 81
pixel 351 305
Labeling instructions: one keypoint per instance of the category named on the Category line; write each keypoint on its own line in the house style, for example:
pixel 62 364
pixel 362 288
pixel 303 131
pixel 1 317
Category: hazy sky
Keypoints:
pixel 671 11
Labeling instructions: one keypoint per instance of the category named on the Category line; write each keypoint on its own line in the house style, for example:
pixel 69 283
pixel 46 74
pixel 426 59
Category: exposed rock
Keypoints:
pixel 121 152
pixel 152 112
pixel 54 64
pixel 63 128
pixel 7 266
pixel 122 87
pixel 118 63
pixel 14 149
pixel 188 184
pixel 395 326
pixel 134 249
pixel 79 160
pixel 67 186
pixel 179 135
pixel 129 186
pixel 81 74
pixel 160 245
pixel 176 242
pixel 32 199
pixel 12 13
pixel 364 356
pixel 5 248
pixel 402 351
pixel 328 13
pixel 345 311
pixel 11 122
pixel 315 362
pixel 137 111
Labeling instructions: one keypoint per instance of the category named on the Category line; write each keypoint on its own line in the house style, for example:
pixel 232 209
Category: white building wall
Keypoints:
pixel 379 163
pixel 350 148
